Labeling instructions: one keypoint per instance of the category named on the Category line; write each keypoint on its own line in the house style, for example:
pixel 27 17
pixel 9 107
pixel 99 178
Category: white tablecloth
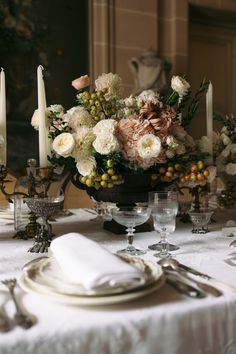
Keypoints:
pixel 163 322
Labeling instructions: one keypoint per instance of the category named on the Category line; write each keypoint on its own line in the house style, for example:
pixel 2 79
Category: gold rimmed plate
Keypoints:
pixel 44 277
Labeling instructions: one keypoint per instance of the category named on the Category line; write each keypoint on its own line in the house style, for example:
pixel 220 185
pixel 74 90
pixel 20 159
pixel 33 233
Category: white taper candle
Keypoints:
pixel 3 129
pixel 44 144
pixel 209 119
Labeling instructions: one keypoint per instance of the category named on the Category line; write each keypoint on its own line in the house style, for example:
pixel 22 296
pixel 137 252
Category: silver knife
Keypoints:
pixel 217 283
pixel 183 287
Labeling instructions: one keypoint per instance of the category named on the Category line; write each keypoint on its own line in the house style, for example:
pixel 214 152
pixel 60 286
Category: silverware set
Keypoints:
pixel 177 275
pixel 20 317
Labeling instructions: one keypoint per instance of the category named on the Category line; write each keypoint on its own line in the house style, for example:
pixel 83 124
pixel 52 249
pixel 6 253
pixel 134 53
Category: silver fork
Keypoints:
pixel 4 322
pixel 21 319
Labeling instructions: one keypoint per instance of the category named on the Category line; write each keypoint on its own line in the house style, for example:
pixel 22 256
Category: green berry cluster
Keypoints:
pixel 107 179
pixel 97 105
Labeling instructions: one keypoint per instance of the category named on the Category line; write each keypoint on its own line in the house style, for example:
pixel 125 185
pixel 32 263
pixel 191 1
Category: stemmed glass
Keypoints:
pixel 164 211
pixel 131 217
pixel 154 199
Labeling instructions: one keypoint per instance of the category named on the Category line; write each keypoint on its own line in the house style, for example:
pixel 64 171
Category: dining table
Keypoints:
pixel 162 322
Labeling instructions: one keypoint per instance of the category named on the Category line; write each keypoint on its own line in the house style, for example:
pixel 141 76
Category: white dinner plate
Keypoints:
pixel 34 281
pixel 91 300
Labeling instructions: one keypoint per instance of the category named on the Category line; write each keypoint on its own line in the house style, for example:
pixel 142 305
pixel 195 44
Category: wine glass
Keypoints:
pixel 154 198
pixel 164 211
pixel 131 217
pixel 44 208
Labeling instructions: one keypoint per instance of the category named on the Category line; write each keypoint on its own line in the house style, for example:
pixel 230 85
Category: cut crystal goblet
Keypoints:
pixel 131 217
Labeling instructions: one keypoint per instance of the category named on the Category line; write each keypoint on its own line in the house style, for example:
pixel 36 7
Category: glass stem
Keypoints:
pixel 164 244
pixel 130 236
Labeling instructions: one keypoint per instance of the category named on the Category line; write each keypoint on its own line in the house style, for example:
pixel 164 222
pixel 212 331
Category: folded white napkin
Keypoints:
pixel 86 262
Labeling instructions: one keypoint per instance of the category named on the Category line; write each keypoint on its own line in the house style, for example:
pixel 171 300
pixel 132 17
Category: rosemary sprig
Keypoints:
pixel 193 107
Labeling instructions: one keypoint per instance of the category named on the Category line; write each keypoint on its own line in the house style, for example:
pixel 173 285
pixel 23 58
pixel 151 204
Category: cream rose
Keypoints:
pixel 81 82
pixel 180 85
pixel 149 146
pixel 105 144
pixel 86 166
pixel 63 144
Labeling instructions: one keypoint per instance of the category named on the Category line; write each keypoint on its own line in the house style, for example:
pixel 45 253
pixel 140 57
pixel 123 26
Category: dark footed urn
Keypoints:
pixel 135 189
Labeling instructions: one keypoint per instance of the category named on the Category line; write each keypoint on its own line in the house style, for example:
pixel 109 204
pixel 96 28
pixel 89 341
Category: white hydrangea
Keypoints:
pixel 130 101
pixel 112 83
pixel 149 95
pixel 77 117
pixel 63 144
pixel 149 146
pixel 106 143
pixel 205 144
pixel 105 126
pixel 83 138
pixel 86 166
pixel 56 108
pixel 180 85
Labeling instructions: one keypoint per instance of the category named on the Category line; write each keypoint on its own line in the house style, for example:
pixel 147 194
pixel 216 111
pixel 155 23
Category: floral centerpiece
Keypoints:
pixel 105 137
pixel 224 155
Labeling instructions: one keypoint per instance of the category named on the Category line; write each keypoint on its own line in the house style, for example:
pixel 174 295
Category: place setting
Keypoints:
pixel 74 274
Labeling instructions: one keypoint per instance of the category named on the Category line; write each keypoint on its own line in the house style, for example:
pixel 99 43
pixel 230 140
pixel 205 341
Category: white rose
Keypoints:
pixel 35 120
pixel 104 144
pixel 149 146
pixel 225 139
pixel 231 168
pixel 105 126
pixel 180 85
pixel 86 166
pixel 63 144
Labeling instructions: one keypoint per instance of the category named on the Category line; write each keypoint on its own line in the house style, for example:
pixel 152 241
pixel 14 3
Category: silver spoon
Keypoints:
pixel 172 264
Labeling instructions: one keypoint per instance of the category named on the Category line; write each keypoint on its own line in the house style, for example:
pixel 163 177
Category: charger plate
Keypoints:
pixel 33 280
